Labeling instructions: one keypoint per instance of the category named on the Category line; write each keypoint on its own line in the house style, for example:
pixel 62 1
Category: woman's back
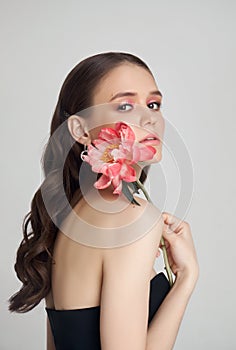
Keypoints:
pixel 97 291
pixel 78 270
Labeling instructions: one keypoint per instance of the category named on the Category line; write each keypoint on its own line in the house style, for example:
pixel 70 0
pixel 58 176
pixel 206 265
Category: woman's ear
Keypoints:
pixel 78 130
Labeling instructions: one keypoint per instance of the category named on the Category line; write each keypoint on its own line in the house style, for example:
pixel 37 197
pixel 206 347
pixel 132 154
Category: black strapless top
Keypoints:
pixel 79 329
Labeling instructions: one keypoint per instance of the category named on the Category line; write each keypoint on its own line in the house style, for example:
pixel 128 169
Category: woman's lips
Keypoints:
pixel 154 141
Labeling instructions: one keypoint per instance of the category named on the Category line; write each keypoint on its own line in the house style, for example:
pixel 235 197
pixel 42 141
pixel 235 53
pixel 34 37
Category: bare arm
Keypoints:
pixel 125 293
pixel 163 329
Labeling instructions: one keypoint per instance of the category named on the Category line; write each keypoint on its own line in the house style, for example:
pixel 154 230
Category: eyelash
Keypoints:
pixel 126 103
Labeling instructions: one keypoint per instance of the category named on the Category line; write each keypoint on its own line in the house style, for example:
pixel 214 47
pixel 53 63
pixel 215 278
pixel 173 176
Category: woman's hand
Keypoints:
pixel 180 247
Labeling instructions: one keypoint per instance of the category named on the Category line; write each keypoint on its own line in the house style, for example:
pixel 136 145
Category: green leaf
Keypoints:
pixel 134 186
pixel 128 193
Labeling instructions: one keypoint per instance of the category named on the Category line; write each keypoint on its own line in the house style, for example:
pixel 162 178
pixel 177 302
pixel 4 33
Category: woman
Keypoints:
pixel 96 297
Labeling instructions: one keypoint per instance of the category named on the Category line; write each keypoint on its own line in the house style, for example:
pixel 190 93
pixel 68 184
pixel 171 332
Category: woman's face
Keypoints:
pixel 135 94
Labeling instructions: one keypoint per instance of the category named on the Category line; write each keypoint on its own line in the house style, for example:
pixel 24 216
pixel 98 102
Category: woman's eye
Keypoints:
pixel 154 105
pixel 124 107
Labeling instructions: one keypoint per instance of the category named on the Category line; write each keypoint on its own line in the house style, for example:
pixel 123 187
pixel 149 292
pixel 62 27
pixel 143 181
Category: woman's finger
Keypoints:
pixel 158 253
pixel 175 224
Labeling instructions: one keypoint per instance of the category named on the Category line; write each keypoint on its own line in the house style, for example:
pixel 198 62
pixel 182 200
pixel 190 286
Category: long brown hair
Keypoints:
pixel 34 255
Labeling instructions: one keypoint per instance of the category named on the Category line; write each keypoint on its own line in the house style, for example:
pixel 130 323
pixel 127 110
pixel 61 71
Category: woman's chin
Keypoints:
pixel 149 162
pixel 156 159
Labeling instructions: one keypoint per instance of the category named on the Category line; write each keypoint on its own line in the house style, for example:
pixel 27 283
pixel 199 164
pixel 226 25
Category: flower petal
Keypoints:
pixel 103 182
pixel 125 131
pixel 128 173
pixel 113 169
pixel 108 134
pixel 117 183
pixel 146 152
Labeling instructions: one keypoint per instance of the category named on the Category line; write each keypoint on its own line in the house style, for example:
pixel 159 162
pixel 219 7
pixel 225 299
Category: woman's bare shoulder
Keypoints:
pixel 95 211
pixel 109 228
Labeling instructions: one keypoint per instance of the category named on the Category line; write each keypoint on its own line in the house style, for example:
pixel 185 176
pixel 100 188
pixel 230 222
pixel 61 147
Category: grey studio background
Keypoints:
pixel 190 47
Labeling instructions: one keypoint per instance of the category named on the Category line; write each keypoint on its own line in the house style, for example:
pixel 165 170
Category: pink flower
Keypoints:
pixel 114 152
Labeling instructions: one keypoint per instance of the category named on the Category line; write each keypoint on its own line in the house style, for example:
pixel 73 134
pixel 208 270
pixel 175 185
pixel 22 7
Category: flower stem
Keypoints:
pixel 163 246
pixel 167 266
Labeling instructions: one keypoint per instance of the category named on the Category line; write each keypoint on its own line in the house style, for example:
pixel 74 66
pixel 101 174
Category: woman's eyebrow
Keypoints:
pixel 128 93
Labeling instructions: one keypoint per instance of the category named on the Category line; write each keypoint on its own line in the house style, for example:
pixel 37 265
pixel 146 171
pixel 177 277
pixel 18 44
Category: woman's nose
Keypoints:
pixel 148 117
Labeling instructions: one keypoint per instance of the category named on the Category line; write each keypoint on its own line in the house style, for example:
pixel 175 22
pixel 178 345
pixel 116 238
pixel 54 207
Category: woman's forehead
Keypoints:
pixel 126 77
